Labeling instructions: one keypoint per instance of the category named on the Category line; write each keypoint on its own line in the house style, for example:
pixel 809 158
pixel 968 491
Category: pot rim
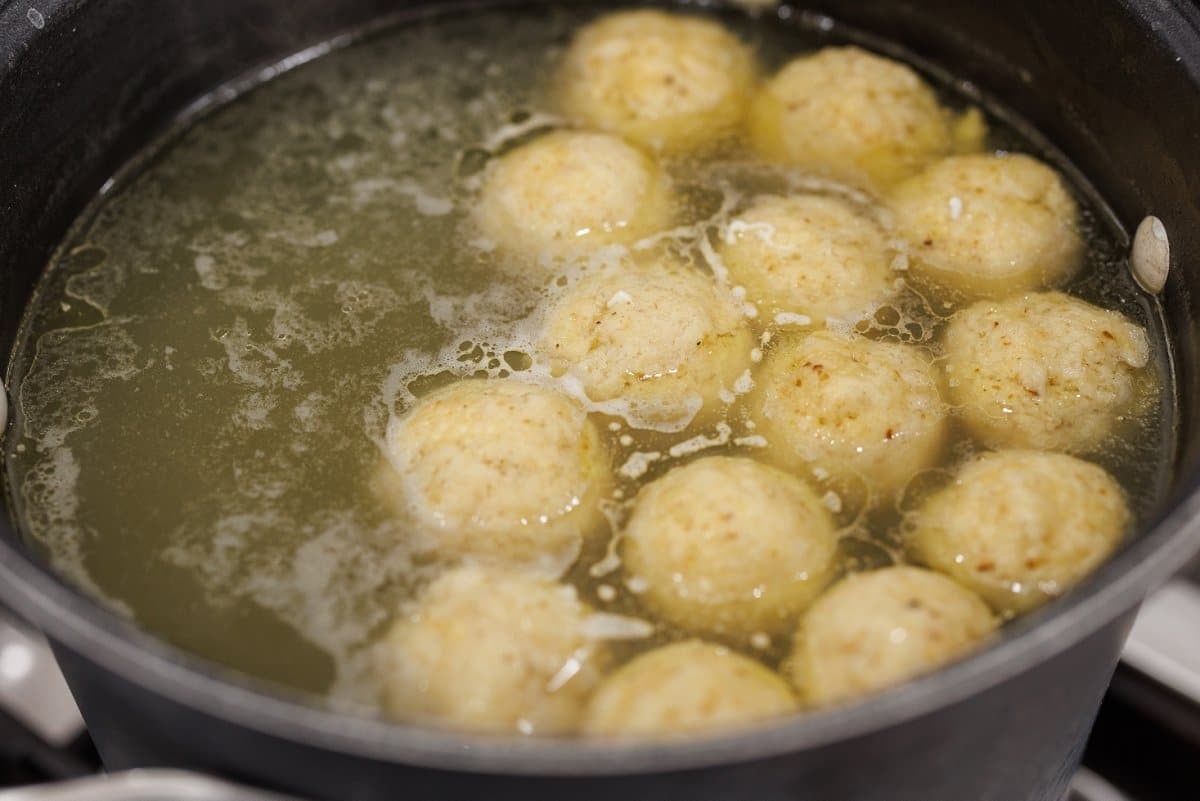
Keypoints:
pixel 113 643
pixel 102 637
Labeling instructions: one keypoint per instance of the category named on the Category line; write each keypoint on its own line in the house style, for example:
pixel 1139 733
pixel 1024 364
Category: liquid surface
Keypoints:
pixel 206 377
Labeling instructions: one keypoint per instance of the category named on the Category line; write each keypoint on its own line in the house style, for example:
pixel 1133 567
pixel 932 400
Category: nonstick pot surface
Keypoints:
pixel 1114 85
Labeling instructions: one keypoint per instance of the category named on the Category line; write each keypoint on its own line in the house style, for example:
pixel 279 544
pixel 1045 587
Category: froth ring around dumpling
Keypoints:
pixel 501 471
pixel 569 192
pixel 1045 371
pixel 730 547
pixel 851 115
pixel 492 650
pixel 1021 527
pixel 855 408
pixel 661 340
pixel 877 629
pixel 684 688
pixel 666 81
pixel 808 255
pixel 989 226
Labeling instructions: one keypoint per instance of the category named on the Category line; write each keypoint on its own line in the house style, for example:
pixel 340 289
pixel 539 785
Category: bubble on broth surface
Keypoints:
pixel 338 582
pixel 59 390
pixel 48 495
pixel 96 282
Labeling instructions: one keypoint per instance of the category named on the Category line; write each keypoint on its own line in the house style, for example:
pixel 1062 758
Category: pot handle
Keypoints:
pixel 145 784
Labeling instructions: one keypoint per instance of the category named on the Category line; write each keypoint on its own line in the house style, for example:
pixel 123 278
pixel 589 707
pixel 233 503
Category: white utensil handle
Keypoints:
pixel 1165 641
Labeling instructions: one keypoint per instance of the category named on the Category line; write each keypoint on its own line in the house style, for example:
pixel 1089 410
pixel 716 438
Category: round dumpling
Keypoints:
pixel 491 650
pixel 1045 371
pixel 686 687
pixel 661 340
pixel 666 81
pixel 569 192
pixel 1020 527
pixel 729 547
pixel 989 225
pixel 877 629
pixel 808 255
pixel 502 471
pixel 853 116
pixel 857 409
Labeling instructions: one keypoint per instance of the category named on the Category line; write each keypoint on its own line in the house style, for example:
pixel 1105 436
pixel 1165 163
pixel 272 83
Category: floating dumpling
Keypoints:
pixel 855 117
pixel 666 81
pixel 661 338
pixel 1021 527
pixel 501 471
pixel 491 650
pixel 808 256
pixel 1045 371
pixel 742 561
pixel 867 413
pixel 686 687
pixel 567 193
pixel 989 226
pixel 877 629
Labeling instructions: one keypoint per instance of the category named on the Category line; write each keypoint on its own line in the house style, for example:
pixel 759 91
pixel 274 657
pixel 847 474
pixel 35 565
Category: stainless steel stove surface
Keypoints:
pixel 1145 747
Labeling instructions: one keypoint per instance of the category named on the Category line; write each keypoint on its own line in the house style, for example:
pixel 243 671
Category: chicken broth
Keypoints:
pixel 221 359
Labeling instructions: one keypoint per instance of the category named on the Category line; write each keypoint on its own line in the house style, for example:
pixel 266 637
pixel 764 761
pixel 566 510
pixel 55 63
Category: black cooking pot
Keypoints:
pixel 1112 83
